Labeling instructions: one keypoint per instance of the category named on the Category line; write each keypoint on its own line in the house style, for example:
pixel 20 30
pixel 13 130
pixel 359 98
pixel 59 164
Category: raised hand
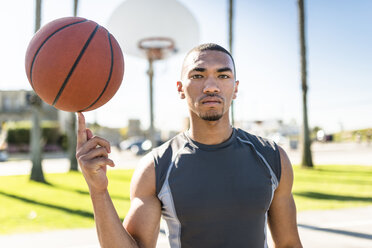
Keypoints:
pixel 92 156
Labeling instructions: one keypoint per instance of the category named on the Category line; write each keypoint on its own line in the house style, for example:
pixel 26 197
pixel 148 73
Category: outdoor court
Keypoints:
pixel 346 228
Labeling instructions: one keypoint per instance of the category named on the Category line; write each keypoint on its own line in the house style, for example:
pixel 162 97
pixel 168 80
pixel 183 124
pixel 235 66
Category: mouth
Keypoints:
pixel 211 101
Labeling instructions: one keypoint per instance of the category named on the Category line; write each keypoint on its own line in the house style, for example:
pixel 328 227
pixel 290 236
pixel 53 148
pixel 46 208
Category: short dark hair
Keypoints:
pixel 212 47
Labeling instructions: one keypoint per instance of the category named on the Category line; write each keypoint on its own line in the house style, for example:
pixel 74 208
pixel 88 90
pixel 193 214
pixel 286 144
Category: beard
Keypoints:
pixel 211 115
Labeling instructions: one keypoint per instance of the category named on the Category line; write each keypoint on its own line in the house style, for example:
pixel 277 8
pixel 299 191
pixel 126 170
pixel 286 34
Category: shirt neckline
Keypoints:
pixel 198 145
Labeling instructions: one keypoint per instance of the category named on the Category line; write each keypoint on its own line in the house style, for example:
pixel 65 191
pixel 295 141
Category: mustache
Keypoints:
pixel 211 95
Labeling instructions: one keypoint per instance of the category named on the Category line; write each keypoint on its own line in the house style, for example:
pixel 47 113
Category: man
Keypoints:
pixel 216 186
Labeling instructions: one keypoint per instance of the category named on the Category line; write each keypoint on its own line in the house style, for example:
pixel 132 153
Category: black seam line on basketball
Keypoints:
pixel 109 78
pixel 74 65
pixel 42 44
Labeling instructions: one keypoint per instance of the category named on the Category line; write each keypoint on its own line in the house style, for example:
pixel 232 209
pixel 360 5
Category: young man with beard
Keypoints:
pixel 215 185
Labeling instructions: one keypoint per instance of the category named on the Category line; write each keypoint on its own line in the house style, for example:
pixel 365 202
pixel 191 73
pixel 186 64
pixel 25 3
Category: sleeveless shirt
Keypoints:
pixel 217 195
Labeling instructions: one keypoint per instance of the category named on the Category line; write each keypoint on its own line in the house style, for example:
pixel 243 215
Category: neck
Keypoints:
pixel 210 132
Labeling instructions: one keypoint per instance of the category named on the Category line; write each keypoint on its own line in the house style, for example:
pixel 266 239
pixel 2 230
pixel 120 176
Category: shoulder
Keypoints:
pixel 143 180
pixel 286 170
pixel 163 156
pixel 267 148
pixel 258 141
pixel 172 145
pixel 150 173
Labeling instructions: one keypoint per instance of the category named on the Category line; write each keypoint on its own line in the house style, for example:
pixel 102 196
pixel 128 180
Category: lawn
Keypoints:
pixel 65 203
pixel 332 186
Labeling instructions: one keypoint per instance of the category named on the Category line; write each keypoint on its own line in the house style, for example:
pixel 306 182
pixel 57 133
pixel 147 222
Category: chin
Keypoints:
pixel 211 116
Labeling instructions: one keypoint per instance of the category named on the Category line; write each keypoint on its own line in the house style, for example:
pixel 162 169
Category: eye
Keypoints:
pixel 223 76
pixel 196 76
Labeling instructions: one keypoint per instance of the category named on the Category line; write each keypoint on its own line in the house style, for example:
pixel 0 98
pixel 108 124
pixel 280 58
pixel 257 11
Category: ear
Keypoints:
pixel 236 89
pixel 180 90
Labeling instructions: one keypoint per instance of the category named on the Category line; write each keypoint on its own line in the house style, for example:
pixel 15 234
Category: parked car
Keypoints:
pixel 132 141
pixel 3 155
pixel 138 145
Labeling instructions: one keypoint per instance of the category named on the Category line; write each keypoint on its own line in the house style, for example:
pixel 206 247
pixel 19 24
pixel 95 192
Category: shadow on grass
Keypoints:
pixel 343 232
pixel 329 169
pixel 81 213
pixel 323 196
pixel 86 192
pixel 334 180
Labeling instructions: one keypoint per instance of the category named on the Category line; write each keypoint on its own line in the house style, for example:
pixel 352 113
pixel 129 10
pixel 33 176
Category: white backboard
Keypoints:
pixel 135 20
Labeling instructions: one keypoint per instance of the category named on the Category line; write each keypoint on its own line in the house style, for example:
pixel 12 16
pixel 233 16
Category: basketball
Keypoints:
pixel 74 64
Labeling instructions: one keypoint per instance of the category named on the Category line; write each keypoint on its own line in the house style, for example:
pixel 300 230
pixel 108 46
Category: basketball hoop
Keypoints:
pixel 157 48
pixel 148 33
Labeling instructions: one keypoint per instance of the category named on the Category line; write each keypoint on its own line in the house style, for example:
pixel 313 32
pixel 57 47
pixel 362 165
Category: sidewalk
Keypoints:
pixel 73 238
pixel 345 228
pixel 336 153
pixel 59 163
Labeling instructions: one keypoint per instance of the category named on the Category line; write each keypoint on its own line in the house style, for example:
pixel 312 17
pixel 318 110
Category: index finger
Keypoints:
pixel 82 133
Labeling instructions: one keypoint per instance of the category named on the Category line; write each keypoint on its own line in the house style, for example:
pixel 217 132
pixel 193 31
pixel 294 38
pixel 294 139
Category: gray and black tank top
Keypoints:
pixel 217 195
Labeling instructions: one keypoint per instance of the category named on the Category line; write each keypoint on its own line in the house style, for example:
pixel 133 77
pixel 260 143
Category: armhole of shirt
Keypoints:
pixel 278 171
pixel 268 151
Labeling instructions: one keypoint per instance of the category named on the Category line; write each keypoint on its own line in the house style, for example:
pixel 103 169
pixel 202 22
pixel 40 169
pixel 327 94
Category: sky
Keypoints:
pixel 266 51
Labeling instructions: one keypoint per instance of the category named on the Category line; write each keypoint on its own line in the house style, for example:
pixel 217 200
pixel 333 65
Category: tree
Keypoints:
pixel 71 129
pixel 306 160
pixel 231 17
pixel 35 102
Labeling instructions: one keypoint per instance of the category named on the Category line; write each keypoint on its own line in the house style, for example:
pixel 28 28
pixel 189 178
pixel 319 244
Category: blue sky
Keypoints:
pixel 266 51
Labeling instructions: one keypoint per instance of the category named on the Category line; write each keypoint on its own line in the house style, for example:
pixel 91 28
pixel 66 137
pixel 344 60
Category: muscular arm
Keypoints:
pixel 142 222
pixel 141 226
pixel 143 218
pixel 282 213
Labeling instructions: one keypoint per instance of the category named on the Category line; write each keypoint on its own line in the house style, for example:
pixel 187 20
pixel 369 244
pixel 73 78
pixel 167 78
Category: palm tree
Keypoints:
pixel 306 143
pixel 231 16
pixel 71 130
pixel 76 4
pixel 36 145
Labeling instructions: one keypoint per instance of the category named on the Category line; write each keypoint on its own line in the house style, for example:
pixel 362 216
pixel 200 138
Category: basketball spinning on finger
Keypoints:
pixel 74 64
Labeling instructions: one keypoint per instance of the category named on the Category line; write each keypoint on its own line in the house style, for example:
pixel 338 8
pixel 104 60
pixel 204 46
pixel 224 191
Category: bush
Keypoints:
pixel 19 136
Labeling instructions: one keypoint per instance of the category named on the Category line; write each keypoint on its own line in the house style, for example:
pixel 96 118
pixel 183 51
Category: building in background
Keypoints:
pixel 284 134
pixel 14 106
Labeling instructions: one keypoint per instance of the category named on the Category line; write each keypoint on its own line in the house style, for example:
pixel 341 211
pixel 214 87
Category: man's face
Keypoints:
pixel 208 84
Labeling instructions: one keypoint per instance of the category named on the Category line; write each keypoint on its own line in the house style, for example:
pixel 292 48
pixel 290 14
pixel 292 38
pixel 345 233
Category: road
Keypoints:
pixel 323 153
pixel 336 153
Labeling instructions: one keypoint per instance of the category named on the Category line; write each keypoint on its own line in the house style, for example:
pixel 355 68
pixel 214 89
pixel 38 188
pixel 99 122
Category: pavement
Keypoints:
pixel 349 153
pixel 344 228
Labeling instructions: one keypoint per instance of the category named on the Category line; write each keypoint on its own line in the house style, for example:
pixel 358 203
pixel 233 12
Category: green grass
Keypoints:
pixel 65 203
pixel 332 186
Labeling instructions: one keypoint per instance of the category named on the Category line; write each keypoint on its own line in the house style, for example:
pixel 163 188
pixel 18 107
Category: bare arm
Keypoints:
pixel 143 217
pixel 282 213
pixel 92 154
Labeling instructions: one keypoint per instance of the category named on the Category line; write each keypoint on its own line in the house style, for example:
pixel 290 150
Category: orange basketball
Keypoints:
pixel 74 64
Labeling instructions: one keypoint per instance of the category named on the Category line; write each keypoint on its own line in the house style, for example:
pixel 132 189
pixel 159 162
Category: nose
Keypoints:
pixel 210 86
